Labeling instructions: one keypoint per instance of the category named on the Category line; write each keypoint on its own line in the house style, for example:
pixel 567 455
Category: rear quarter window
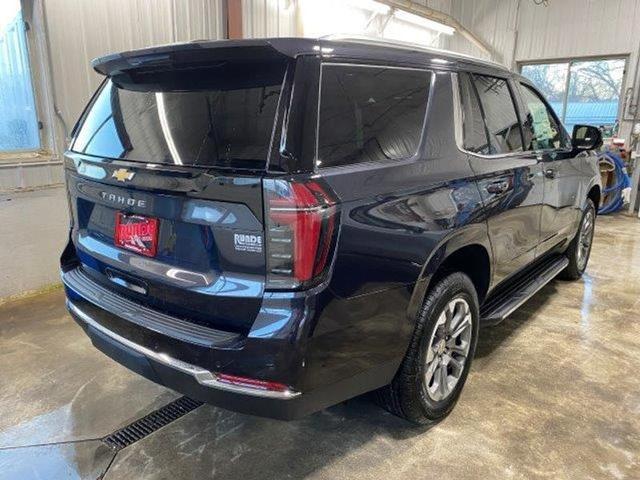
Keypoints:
pixel 370 113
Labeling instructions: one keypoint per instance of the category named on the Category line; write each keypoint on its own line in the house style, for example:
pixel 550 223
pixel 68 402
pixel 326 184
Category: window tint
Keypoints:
pixel 370 113
pixel 226 121
pixel 500 114
pixel 540 129
pixel 474 131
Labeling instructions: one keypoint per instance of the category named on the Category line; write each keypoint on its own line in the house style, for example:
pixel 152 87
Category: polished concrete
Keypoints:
pixel 554 393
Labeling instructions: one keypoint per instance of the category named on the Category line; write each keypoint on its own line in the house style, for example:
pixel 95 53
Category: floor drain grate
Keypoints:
pixel 150 423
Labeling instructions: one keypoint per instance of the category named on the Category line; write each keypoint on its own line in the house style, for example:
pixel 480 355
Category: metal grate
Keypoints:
pixel 152 422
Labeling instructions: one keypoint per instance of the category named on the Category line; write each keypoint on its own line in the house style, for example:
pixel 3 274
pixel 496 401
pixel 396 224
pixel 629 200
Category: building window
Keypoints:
pixel 581 91
pixel 18 120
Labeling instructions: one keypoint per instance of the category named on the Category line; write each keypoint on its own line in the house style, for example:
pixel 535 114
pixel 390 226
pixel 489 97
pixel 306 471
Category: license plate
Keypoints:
pixel 137 233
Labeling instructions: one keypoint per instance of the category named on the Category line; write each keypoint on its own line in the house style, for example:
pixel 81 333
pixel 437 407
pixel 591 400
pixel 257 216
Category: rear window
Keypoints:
pixel 219 117
pixel 370 113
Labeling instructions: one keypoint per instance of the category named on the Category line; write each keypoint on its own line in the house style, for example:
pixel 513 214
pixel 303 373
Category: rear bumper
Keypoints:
pixel 200 375
pixel 187 358
pixel 200 384
pixel 189 379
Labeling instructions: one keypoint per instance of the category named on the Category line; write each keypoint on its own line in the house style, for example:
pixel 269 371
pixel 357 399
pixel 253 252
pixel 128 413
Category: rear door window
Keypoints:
pixel 473 128
pixel 540 128
pixel 370 113
pixel 499 113
pixel 211 118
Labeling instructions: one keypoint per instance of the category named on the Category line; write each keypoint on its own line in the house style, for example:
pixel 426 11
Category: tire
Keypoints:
pixel 410 395
pixel 576 253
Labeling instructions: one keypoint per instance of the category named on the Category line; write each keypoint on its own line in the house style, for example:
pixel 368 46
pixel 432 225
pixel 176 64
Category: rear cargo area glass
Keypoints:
pixel 224 119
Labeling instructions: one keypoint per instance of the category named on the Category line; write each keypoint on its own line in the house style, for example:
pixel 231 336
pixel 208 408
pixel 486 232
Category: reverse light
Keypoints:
pixel 301 228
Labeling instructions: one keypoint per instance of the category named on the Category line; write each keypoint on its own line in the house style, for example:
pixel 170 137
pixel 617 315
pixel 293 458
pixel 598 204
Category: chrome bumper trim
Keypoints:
pixel 202 376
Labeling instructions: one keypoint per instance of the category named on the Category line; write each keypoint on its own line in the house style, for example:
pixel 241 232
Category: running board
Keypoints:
pixel 504 303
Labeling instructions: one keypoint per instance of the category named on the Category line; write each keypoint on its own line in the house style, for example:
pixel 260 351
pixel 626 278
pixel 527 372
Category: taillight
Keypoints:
pixel 300 226
pixel 251 383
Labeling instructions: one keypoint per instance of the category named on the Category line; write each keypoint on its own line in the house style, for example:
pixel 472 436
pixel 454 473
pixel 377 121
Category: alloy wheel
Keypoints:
pixel 448 349
pixel 585 238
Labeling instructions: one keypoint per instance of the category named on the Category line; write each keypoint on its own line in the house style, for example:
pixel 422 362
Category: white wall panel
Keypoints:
pixel 281 18
pixel 493 21
pixel 269 18
pixel 577 28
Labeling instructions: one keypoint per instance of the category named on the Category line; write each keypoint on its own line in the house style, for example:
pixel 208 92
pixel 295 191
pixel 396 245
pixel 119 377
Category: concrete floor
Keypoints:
pixel 554 393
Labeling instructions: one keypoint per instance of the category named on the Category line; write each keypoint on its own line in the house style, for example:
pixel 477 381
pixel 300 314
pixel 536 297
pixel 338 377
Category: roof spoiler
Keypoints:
pixel 190 55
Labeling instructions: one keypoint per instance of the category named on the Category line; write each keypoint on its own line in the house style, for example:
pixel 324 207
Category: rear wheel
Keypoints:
pixel 437 362
pixel 580 247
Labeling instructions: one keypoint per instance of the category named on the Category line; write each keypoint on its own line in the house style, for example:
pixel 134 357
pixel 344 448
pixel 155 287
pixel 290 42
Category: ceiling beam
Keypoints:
pixel 441 17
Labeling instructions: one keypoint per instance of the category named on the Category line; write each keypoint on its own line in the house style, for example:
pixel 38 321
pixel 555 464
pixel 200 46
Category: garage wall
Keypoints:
pixel 571 28
pixel 282 18
pixel 269 18
pixel 33 234
pixel 493 21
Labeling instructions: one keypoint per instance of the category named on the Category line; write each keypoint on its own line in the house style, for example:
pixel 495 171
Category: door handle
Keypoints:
pixel 550 173
pixel 498 187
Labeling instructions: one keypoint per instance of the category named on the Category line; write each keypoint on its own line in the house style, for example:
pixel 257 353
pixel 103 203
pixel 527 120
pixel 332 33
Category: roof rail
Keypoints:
pixel 386 42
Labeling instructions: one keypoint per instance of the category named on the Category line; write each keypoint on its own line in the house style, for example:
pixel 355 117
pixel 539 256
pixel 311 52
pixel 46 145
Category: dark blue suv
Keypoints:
pixel 274 226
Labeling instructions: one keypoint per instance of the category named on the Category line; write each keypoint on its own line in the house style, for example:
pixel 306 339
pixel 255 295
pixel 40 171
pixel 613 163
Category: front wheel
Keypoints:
pixel 579 249
pixel 436 365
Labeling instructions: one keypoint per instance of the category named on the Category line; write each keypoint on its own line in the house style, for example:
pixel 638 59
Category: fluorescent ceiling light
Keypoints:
pixel 423 22
pixel 371 5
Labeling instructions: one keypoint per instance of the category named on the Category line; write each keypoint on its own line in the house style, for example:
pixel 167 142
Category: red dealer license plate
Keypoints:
pixel 137 233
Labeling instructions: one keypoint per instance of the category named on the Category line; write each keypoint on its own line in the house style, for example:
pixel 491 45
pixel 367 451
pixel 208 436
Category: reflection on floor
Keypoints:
pixel 553 393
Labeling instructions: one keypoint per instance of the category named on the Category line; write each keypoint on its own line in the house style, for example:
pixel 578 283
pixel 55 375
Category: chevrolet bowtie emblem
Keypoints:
pixel 122 174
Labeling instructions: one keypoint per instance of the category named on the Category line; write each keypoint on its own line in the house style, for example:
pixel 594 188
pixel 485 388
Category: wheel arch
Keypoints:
pixel 468 251
pixel 595 195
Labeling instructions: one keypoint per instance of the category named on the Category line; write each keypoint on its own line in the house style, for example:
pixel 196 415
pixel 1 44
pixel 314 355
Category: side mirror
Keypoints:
pixel 586 137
